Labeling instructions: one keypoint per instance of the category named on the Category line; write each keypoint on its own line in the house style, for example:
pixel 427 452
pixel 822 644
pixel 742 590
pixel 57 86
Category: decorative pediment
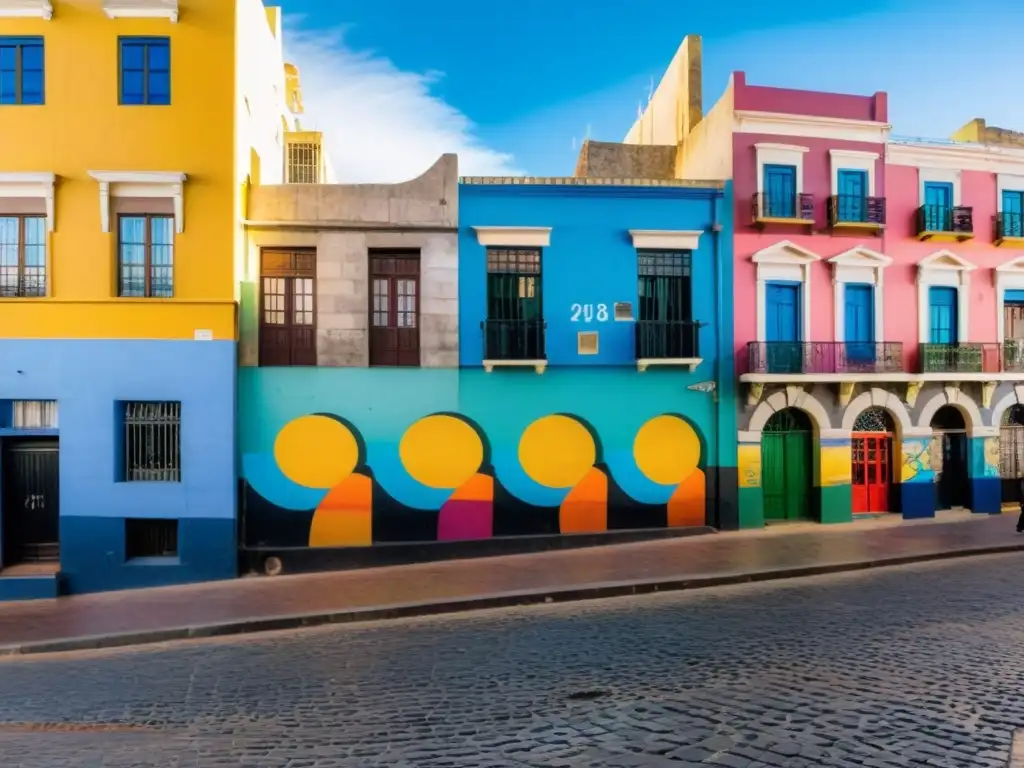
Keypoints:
pixel 946 261
pixel 26 9
pixel 1013 266
pixel 860 256
pixel 785 252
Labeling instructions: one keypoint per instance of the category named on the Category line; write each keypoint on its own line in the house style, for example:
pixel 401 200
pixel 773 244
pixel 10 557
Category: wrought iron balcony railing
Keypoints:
pixel 514 339
pixel 964 357
pixel 934 220
pixel 668 339
pixel 1010 226
pixel 825 357
pixel 854 210
pixel 785 208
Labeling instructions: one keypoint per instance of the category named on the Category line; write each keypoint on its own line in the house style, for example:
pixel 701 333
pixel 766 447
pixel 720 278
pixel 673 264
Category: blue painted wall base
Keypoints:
pixel 93 555
pixel 986 495
pixel 31 587
pixel 917 500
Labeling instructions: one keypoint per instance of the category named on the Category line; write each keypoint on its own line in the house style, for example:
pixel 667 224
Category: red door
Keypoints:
pixel 872 468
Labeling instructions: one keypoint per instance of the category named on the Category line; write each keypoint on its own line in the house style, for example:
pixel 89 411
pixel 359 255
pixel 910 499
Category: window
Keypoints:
pixel 779 191
pixel 21 70
pixel 938 206
pixel 853 195
pixel 287 307
pixel 146 256
pixel 150 538
pixel 145 70
pixel 152 442
pixel 394 308
pixel 514 329
pixel 943 305
pixel 665 327
pixel 22 256
pixel 303 162
pixel 1012 215
pixel 34 414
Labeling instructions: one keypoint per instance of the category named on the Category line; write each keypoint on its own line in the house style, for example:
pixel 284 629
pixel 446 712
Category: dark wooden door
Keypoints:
pixel 953 480
pixel 31 501
pixel 287 308
pixel 395 308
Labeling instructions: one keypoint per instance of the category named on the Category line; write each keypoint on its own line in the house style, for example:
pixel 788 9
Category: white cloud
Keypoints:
pixel 381 124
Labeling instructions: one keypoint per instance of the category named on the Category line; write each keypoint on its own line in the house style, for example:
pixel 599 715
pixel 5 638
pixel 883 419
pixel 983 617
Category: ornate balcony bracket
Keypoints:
pixel 844 392
pixel 913 390
pixel 988 389
pixel 754 393
pixel 538 365
pixel 690 363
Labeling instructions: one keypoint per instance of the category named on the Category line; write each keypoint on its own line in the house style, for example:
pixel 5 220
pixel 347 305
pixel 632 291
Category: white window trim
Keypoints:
pixel 142 9
pixel 853 160
pixel 784 261
pixel 667 239
pixel 33 185
pixel 166 184
pixel 944 268
pixel 859 265
pixel 779 154
pixel 938 175
pixel 1005 183
pixel 1009 277
pixel 26 9
pixel 512 237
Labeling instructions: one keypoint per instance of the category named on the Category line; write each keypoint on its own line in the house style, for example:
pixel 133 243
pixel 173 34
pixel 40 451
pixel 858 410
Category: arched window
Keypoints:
pixel 874 419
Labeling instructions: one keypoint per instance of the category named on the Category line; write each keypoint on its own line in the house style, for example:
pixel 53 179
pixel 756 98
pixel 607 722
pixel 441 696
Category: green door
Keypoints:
pixel 786 466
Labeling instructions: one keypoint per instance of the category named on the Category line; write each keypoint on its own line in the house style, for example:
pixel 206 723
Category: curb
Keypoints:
pixel 594 591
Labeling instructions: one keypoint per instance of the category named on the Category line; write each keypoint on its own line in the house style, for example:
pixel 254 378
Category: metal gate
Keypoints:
pixel 31 502
pixel 786 466
pixel 1011 452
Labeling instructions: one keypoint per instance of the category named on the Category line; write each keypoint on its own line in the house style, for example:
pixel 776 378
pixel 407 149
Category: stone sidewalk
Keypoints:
pixel 266 603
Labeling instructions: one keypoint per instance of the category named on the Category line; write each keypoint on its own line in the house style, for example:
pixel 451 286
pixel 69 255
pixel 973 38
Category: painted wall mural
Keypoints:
pixel 917 455
pixel 330 477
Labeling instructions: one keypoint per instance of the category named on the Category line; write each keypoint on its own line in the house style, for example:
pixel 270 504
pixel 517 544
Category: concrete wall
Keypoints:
pixel 88 378
pixel 608 160
pixel 706 152
pixel 675 106
pixel 343 222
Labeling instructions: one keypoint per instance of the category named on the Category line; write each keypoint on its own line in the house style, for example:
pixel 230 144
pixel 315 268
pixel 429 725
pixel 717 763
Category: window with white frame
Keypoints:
pixel 772 158
pixel 1009 285
pixel 943 269
pixel 784 262
pixel 860 267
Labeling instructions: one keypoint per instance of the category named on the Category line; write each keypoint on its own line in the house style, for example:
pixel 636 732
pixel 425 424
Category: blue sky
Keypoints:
pixel 514 89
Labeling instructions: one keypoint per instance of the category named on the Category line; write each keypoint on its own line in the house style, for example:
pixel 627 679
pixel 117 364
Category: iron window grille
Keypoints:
pixel 146 256
pixel 303 162
pixel 150 538
pixel 152 442
pixel 22 256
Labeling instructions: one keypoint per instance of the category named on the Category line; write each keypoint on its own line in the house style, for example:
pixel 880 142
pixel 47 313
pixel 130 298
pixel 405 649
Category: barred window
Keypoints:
pixel 146 256
pixel 152 442
pixel 303 162
pixel 150 538
pixel 22 256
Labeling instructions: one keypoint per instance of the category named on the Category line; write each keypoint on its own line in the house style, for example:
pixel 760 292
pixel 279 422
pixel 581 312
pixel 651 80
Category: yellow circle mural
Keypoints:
pixel 557 451
pixel 666 449
pixel 316 451
pixel 441 451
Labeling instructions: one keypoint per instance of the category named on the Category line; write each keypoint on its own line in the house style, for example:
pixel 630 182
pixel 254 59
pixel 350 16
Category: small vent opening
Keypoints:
pixel 586 343
pixel 150 538
pixel 623 311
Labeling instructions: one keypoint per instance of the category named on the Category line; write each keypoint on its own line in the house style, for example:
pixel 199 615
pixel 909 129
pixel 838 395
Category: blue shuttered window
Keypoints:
pixel 779 199
pixel 21 70
pixel 145 70
pixel 1013 213
pixel 944 317
pixel 853 193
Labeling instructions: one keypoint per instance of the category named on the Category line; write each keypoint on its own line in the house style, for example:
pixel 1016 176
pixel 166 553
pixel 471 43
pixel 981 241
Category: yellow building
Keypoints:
pixel 129 133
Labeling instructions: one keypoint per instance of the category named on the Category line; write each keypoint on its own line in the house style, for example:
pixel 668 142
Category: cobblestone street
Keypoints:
pixel 913 666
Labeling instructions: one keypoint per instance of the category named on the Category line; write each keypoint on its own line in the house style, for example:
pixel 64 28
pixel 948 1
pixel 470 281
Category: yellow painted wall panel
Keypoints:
pixel 835 465
pixel 122 319
pixel 749 464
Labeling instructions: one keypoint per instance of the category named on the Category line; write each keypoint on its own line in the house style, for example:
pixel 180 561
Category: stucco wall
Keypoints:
pixel 706 153
pixel 607 160
pixel 343 222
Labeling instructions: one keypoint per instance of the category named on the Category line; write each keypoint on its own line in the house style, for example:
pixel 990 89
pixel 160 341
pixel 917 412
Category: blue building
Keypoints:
pixel 126 447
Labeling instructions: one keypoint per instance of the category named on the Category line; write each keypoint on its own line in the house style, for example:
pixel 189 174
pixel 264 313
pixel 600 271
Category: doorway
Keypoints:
pixel 871 450
pixel 1011 453
pixel 786 465
pixel 31 501
pixel 949 458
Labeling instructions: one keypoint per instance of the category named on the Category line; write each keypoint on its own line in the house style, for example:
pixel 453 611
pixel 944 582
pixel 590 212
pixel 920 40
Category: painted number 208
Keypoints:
pixel 586 311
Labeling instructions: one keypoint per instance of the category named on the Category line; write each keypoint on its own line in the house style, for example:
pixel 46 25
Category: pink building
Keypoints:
pixel 874 297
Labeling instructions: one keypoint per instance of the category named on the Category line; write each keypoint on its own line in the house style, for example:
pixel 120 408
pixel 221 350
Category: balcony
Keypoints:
pixel 1010 230
pixel 824 357
pixel 854 212
pixel 961 358
pixel 668 342
pixel 794 209
pixel 944 223
pixel 1013 356
pixel 514 343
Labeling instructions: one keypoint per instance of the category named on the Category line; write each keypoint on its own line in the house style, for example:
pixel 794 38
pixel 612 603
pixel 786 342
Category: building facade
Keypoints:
pixel 472 367
pixel 126 142
pixel 876 312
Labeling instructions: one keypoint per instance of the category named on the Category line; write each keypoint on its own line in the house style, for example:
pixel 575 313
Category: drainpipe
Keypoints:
pixel 716 234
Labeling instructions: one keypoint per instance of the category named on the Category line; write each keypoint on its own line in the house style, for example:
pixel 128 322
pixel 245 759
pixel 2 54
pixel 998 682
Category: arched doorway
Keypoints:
pixel 871 451
pixel 1011 452
pixel 786 465
pixel 949 457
